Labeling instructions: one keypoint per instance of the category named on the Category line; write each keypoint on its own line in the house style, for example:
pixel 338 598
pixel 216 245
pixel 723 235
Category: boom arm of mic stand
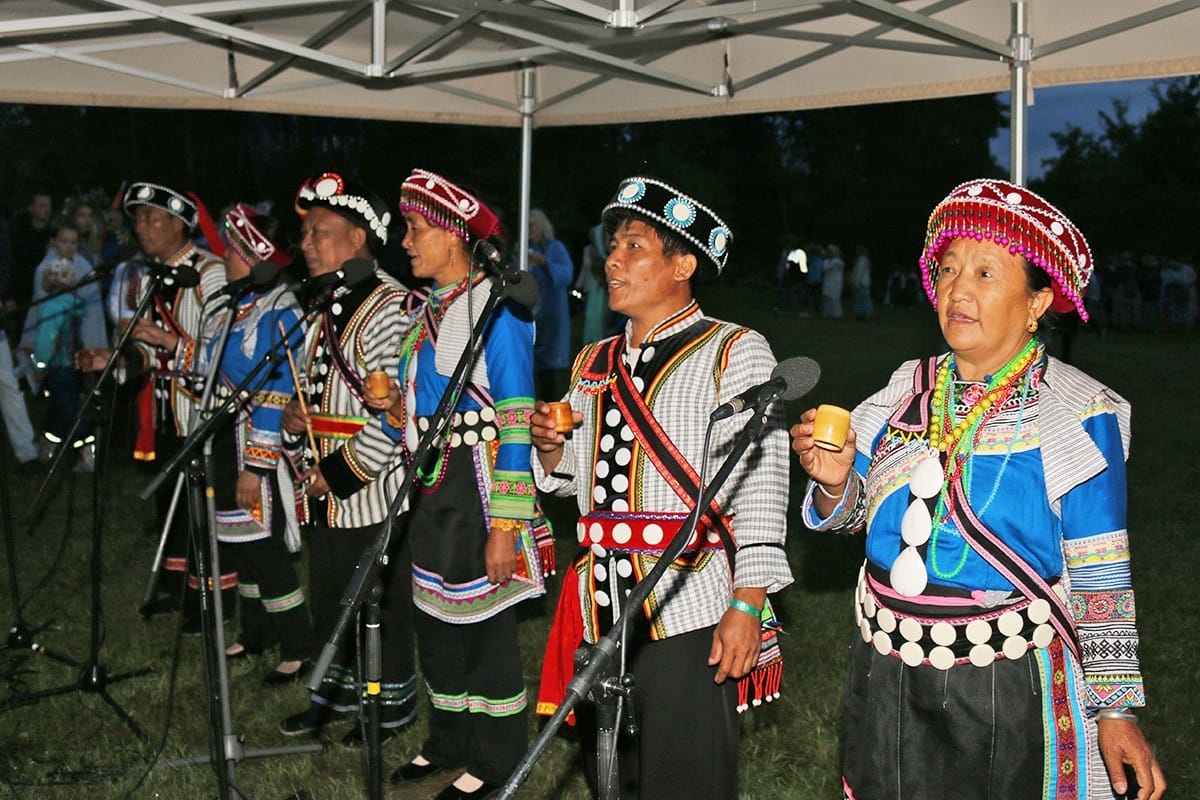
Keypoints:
pixel 602 654
pixel 373 557
pixel 250 384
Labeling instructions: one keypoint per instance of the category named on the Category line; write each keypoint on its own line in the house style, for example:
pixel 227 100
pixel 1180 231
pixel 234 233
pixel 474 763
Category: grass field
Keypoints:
pixel 75 746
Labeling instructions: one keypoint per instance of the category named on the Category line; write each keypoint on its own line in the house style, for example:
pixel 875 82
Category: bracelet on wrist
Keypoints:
pixel 395 423
pixel 1117 713
pixel 745 608
pixel 513 526
pixel 827 493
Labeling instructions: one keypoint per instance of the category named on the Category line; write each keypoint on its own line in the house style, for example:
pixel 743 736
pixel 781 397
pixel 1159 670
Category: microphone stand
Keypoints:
pixel 594 665
pixel 20 635
pixel 228 745
pixel 94 676
pixel 364 587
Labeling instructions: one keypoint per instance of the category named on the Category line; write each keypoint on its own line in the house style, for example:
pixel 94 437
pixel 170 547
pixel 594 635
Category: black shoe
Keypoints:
pixel 166 604
pixel 276 678
pixel 310 720
pixel 410 772
pixel 452 792
pixel 354 737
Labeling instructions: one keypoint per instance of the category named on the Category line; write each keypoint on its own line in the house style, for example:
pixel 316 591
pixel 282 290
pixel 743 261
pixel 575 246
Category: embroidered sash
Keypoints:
pixel 662 452
pixel 333 346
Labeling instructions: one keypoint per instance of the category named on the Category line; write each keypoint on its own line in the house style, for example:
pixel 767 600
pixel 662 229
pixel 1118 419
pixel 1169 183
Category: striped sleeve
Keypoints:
pixel 366 454
pixel 1096 556
pixel 756 492
pixel 510 377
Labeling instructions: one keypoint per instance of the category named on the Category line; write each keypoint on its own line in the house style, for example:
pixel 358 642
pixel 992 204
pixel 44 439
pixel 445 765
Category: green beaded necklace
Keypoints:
pixel 959 445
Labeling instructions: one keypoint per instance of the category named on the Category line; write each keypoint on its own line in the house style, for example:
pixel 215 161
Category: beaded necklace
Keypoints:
pixel 965 435
pixel 430 481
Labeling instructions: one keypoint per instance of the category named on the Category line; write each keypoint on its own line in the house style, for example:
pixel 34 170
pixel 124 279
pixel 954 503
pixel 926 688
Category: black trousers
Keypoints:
pixel 688 735
pixel 333 554
pixel 270 599
pixel 478 716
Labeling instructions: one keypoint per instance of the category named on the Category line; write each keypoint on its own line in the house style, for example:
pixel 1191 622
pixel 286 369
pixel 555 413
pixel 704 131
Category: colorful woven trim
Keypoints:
pixel 1013 217
pixel 329 426
pixel 684 216
pixel 447 206
pixel 477 704
pixel 762 683
pixel 513 494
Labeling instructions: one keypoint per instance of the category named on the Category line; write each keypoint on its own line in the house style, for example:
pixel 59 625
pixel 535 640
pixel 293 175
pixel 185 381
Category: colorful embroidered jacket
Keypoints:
pixel 360 332
pixel 257 431
pixel 687 366
pixel 492 417
pixel 176 379
pixel 1048 478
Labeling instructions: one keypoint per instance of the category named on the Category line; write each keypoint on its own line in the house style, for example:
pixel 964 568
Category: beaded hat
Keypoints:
pixel 347 199
pixel 248 241
pixel 664 206
pixel 177 204
pixel 1016 218
pixel 448 206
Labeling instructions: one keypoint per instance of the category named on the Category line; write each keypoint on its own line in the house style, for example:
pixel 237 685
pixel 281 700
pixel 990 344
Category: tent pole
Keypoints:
pixel 528 104
pixel 1018 111
pixel 378 39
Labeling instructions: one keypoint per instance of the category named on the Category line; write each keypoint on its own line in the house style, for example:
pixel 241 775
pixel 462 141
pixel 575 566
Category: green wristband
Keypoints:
pixel 745 608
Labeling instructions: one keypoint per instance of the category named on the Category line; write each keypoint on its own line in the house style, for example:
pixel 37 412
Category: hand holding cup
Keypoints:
pixel 830 427
pixel 561 414
pixel 378 383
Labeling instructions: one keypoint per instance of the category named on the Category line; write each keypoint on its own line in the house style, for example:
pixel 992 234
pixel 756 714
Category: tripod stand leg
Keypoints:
pixel 95 680
pixel 152 584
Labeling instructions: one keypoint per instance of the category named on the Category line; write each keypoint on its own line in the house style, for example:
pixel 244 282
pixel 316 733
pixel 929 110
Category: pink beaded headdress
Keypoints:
pixel 447 206
pixel 1016 218
pixel 248 241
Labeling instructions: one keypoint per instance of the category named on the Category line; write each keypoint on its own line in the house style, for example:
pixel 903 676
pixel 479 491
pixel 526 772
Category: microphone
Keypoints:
pixel 525 292
pixel 790 379
pixel 353 272
pixel 182 276
pixel 261 274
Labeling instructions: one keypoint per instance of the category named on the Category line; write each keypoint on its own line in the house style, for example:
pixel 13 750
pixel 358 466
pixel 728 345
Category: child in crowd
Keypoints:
pixel 56 340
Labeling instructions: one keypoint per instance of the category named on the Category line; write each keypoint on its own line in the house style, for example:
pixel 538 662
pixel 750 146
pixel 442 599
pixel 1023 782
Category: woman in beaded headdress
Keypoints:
pixel 478 540
pixel 253 496
pixel 996 654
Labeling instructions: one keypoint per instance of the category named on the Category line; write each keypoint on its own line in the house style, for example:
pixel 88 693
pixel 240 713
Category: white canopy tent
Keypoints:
pixel 566 62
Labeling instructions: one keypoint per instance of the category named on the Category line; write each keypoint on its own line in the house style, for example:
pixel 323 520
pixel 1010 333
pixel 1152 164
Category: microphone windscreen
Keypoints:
pixel 800 374
pixel 263 273
pixel 186 276
pixel 524 291
pixel 357 270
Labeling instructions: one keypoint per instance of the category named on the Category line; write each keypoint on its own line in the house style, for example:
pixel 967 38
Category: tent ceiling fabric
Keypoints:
pixel 631 60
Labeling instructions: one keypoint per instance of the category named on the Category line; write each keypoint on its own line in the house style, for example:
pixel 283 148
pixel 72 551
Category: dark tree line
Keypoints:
pixel 1134 187
pixel 862 175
